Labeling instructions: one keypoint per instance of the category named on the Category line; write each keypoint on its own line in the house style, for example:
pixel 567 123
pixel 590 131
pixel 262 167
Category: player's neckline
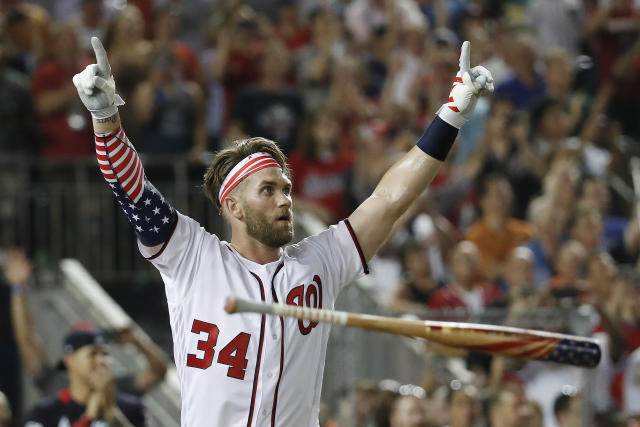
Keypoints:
pixel 254 264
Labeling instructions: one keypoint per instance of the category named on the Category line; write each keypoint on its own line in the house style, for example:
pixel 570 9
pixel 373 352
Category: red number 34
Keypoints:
pixel 233 354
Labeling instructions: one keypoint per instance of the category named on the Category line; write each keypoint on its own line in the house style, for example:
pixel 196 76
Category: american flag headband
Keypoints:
pixel 252 163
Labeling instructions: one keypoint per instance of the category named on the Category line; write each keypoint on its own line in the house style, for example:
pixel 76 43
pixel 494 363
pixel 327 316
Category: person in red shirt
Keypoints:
pixel 294 33
pixel 320 166
pixel 465 289
pixel 64 120
pixel 167 21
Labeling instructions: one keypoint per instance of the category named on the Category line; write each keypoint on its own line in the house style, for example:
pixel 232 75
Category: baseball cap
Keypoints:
pixel 80 335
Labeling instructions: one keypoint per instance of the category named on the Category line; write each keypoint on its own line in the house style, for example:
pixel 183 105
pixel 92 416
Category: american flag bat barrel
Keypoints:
pixel 500 340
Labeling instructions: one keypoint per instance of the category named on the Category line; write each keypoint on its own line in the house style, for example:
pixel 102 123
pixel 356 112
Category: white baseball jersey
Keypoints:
pixel 250 369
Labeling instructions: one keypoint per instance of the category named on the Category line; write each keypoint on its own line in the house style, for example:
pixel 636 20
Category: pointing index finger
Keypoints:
pixel 465 57
pixel 104 69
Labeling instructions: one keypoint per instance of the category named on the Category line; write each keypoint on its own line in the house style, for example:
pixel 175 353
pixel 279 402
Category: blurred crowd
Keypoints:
pixel 534 208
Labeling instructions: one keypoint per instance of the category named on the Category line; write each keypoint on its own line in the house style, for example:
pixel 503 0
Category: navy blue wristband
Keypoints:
pixel 16 289
pixel 438 139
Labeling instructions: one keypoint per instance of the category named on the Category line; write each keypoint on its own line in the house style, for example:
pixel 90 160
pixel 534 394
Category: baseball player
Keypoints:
pixel 252 369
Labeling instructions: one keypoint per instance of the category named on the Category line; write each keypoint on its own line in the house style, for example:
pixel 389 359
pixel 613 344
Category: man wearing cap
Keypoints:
pixel 91 398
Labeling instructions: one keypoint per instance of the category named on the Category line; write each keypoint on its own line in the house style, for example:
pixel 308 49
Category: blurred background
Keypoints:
pixel 531 222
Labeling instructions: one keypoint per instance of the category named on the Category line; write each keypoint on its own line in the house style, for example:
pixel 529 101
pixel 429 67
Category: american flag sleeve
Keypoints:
pixel 152 217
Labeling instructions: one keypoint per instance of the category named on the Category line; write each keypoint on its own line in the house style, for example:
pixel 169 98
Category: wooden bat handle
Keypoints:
pixel 239 305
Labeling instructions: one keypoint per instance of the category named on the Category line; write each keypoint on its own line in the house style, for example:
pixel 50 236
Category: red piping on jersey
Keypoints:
pixel 365 267
pixel 164 245
pixel 275 394
pixel 64 396
pixel 257 373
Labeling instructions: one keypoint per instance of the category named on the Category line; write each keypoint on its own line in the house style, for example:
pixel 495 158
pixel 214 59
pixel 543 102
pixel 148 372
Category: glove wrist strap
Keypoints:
pixel 453 118
pixel 104 112
pixel 109 111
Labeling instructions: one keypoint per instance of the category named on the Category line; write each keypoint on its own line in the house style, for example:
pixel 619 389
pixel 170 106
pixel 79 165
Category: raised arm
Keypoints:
pixel 17 270
pixel 150 214
pixel 373 220
pixel 157 362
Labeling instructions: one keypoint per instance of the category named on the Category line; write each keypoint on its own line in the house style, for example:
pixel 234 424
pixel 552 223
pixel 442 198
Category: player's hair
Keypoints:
pixel 227 158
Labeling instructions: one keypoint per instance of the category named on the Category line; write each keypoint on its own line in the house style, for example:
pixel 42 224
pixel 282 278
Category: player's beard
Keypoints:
pixel 272 233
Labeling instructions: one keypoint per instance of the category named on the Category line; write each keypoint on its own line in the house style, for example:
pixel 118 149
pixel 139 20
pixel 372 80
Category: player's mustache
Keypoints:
pixel 286 215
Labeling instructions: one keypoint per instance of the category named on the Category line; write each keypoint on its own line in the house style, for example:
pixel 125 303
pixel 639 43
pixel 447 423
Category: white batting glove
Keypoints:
pixel 469 84
pixel 96 86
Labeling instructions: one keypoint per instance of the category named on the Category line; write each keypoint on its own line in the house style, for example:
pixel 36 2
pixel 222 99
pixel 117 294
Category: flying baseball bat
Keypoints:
pixel 501 340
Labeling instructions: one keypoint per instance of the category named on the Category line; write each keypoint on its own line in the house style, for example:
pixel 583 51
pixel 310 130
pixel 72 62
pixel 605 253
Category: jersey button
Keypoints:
pixel 274 336
pixel 269 375
pixel 264 412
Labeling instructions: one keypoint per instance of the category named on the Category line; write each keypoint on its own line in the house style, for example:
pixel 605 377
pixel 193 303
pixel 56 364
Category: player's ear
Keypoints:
pixel 233 207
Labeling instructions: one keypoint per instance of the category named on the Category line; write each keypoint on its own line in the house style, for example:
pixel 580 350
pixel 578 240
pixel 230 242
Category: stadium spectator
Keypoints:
pixel 238 51
pixel 321 167
pixel 91 394
pixel 27 34
pixel 271 108
pixel 506 407
pixel 596 193
pixel 560 76
pixel 415 291
pixel 466 290
pixel 137 383
pixel 289 26
pixel 64 121
pixel 586 227
pixel 550 125
pixel 166 23
pixel 525 86
pixel 601 278
pixel 156 363
pixel 407 411
pixel 462 407
pixel 372 158
pixel 496 233
pixel 364 403
pixel 90 22
pixel 517 280
pixel 545 240
pixel 628 313
pixel 19 346
pixel 364 17
pixel 315 60
pixel 557 24
pixel 533 415
pixel 631 385
pixel 128 50
pixel 505 149
pixel 567 410
pixel 19 130
pixel 560 189
pixel 5 411
pixel 346 96
pixel 169 110
pixel 570 265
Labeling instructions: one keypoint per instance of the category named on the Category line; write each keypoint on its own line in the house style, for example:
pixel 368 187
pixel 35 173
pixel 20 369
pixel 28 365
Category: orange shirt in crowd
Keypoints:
pixel 494 246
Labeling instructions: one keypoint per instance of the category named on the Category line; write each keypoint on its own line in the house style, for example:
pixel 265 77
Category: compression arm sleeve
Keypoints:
pixel 152 217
